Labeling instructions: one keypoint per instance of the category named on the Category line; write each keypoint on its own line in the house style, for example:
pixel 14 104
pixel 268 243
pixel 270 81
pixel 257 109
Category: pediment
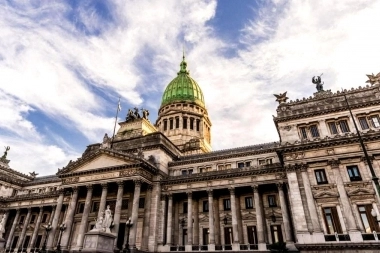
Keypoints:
pixel 248 216
pixel 326 194
pixel 101 161
pixel 360 191
pixel 203 219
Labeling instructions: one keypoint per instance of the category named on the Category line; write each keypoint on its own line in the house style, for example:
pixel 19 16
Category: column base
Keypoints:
pixel 211 247
pixel 262 246
pixel 236 247
pixel 318 237
pixel 290 246
pixel 355 236
pixel 165 248
pixel 2 243
pixel 188 247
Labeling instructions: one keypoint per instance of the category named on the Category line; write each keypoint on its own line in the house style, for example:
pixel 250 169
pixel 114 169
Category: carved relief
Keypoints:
pixel 325 191
pixel 359 188
pixel 70 180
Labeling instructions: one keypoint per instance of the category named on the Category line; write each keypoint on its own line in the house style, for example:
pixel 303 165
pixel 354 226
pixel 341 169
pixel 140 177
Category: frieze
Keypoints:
pixel 324 191
pixel 321 201
pixel 359 188
pixel 70 180
pixel 350 160
pixel 136 172
pixel 295 156
pixel 317 164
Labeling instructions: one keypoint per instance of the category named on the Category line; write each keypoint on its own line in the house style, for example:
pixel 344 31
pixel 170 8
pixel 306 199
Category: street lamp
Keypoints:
pixel 225 220
pixel 273 217
pixel 62 228
pixel 47 229
pixel 129 224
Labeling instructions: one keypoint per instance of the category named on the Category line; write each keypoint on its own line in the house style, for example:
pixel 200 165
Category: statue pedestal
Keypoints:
pixel 2 244
pixel 98 242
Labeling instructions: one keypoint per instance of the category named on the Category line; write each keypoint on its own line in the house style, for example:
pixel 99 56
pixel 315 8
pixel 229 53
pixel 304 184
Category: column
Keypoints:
pixel 54 223
pixel 346 206
pixel 162 223
pixel 135 214
pixel 311 203
pixel 234 218
pixel 119 200
pixel 239 220
pixel 36 228
pixel 23 231
pixel 285 215
pixel 103 198
pixel 189 219
pixel 259 218
pixel 83 223
pixel 211 220
pixel 154 209
pixel 170 220
pixel 176 223
pixel 69 222
pixel 145 236
pixel 217 221
pixel 11 233
pixel 196 222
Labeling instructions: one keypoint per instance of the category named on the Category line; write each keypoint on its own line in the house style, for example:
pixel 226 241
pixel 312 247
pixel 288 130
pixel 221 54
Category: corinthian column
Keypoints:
pixel 23 231
pixel 11 233
pixel 119 200
pixel 189 218
pixel 69 219
pixel 84 221
pixel 54 223
pixel 259 218
pixel 211 220
pixel 170 220
pixel 234 217
pixel 285 215
pixel 145 237
pixel 103 198
pixel 36 228
pixel 135 214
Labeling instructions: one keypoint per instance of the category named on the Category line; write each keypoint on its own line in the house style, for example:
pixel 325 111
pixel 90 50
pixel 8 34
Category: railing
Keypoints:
pixel 218 247
pixel 177 248
pixel 337 238
pixel 199 247
pixel 371 236
pixel 249 246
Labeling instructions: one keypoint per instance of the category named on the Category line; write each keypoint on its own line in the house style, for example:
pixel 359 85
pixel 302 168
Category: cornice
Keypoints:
pixel 32 196
pixel 338 245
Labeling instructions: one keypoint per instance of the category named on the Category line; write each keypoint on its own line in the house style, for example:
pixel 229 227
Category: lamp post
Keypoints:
pixel 62 228
pixel 273 217
pixel 47 229
pixel 225 220
pixel 129 224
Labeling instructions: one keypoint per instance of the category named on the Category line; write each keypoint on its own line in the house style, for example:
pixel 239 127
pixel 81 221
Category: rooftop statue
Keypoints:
pixel 135 114
pixel 318 81
pixel 33 174
pixel 4 157
pixel 281 98
pixel 373 79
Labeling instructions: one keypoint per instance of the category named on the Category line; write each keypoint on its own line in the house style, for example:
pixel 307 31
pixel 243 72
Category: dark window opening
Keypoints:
pixel 80 208
pixel 33 219
pixel 177 122
pixel 333 128
pixel 124 204
pixel 165 125
pixel 184 207
pixel 240 165
pixel 184 123
pixel 276 233
pixel 227 204
pixel 343 126
pixel 171 123
pixel 248 202
pixel 314 131
pixel 44 217
pixel 320 175
pixel 332 220
pixel 369 222
pixel 272 200
pixel 205 206
pixel 191 123
pixel 303 132
pixel 353 173
pixel 363 123
pixel 95 206
pixel 141 202
pixel 198 124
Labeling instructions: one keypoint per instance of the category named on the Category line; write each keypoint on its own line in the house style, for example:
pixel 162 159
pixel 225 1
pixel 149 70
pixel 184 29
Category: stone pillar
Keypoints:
pixel 352 228
pixel 145 237
pixel 196 222
pixel 135 214
pixel 51 217
pixel 54 223
pixel 176 223
pixel 189 221
pixel 217 221
pixel 84 220
pixel 69 221
pixel 235 231
pixel 170 220
pixel 23 231
pixel 35 231
pixel 259 218
pixel 116 217
pixel 239 220
pixel 103 198
pixel 11 233
pixel 211 244
pixel 153 221
pixel 162 223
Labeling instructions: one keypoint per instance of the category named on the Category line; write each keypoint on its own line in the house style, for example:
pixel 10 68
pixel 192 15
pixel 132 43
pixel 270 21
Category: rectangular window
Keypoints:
pixel 124 204
pixel 343 125
pixel 80 208
pixel 240 165
pixel 276 233
pixel 247 164
pixel 353 173
pixel 368 221
pixel 44 217
pixel 332 127
pixel 227 204
pixel 22 218
pixel 221 167
pixel 261 162
pixel 184 207
pixel 303 132
pixel 363 123
pixel 269 161
pixel 191 123
pixel 314 131
pixel 320 175
pixel 171 126
pixel 190 172
pixel 177 122
pixel 33 219
pixel 95 206
pixel 141 202
pixel 38 242
pixel 198 124
pixel 205 206
pixel 184 172
pixel 248 203
pixel 272 200
pixel 184 123
pixel 165 125
pixel 375 121
pixel 332 220
pixel 252 235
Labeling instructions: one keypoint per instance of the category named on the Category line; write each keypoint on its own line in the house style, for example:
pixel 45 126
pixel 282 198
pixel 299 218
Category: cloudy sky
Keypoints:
pixel 63 65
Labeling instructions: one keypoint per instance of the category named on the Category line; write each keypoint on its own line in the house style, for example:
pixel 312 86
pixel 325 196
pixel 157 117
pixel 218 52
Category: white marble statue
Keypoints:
pixel 107 219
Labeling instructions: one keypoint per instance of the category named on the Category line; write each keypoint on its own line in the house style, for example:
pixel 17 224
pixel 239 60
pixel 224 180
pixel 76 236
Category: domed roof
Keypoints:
pixel 183 88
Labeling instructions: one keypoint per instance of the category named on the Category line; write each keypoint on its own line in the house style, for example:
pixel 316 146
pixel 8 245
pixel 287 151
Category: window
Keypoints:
pixel 332 127
pixel 44 217
pixel 314 131
pixel 227 204
pixel 303 132
pixel 171 123
pixel 177 122
pixel 224 166
pixel 192 123
pixel 353 173
pixel 369 222
pixel 332 220
pixel 95 206
pixel 363 123
pixel 252 235
pixel 184 207
pixel 184 122
pixel 165 125
pixel 343 125
pixel 248 203
pixel 198 124
pixel 375 121
pixel 205 233
pixel 141 202
pixel 80 208
pixel 269 161
pixel 240 165
pixel 247 164
pixel 205 206
pixel 310 131
pixel 124 204
pixel 190 171
pixel 184 172
pixel 261 162
pixel 22 218
pixel 272 200
pixel 33 219
pixel 320 175
pixel 276 233
pixel 205 169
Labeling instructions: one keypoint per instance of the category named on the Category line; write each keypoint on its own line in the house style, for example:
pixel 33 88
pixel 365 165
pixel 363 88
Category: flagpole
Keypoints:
pixel 114 128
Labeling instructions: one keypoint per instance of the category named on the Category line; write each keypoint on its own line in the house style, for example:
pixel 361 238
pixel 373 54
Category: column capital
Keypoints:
pixel 209 192
pixel 137 182
pixel 232 190
pixel 334 163
pixel 89 187
pixel 75 189
pixel 280 186
pixel 255 188
pixel 120 184
pixel 189 194
pixel 170 195
pixel 41 208
pixel 104 185
pixel 149 187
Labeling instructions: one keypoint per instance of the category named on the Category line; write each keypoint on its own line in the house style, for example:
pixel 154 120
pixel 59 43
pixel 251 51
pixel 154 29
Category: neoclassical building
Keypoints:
pixel 312 188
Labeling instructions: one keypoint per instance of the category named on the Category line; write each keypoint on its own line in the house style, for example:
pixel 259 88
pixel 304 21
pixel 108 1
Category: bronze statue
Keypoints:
pixel 145 113
pixel 373 79
pixel 4 157
pixel 33 174
pixel 317 80
pixel 281 98
pixel 137 115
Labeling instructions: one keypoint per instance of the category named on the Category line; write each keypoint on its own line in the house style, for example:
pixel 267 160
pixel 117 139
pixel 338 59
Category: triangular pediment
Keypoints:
pixel 101 161
pixel 326 194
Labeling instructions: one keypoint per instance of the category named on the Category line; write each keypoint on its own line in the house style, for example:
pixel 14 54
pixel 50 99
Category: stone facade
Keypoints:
pixel 312 189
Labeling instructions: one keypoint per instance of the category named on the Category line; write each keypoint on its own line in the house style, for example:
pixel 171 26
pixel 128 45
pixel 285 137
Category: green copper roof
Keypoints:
pixel 183 88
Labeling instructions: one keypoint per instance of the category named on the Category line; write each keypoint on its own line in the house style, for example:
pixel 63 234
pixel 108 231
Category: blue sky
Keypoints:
pixel 63 65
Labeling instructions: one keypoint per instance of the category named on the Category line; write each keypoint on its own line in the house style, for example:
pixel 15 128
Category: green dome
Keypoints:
pixel 183 88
